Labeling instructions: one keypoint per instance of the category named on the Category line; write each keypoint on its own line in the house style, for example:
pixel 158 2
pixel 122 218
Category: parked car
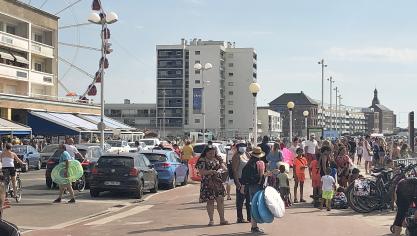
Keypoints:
pixel 150 142
pixel 199 147
pixel 133 148
pixel 90 153
pixel 124 172
pixel 118 146
pixel 47 152
pixel 28 155
pixel 171 170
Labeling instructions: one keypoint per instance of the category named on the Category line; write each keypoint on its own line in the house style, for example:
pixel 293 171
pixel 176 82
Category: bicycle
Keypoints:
pixel 9 185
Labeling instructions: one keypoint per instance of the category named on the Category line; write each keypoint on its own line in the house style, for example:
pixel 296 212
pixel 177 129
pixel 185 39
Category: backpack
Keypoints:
pixel 8 229
pixel 250 173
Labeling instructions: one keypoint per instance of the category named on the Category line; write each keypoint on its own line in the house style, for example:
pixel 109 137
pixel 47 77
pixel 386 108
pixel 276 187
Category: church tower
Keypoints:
pixel 375 100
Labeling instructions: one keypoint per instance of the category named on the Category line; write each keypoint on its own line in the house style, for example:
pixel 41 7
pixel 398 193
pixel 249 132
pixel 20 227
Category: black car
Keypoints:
pixel 90 153
pixel 124 172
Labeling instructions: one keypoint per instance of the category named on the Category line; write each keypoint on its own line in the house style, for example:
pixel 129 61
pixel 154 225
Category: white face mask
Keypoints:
pixel 210 146
pixel 242 149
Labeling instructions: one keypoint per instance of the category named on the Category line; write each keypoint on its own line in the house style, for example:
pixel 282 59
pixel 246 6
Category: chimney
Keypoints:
pixel 126 101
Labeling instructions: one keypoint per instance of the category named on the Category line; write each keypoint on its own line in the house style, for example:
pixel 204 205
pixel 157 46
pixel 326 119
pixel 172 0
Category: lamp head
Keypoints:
pixel 208 66
pixel 290 105
pixel 94 18
pixel 305 113
pixel 254 88
pixel 198 66
pixel 111 17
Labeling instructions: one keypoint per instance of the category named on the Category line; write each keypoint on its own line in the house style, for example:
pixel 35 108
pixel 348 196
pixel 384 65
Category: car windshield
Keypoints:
pixel 83 152
pixel 132 145
pixel 50 148
pixel 117 161
pixel 199 148
pixel 57 154
pixel 148 142
pixel 115 143
pixel 19 149
pixel 153 157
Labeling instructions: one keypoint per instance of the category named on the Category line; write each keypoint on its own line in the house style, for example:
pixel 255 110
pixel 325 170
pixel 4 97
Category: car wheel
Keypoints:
pixel 39 165
pixel 173 182
pixel 139 192
pixel 94 193
pixel 49 183
pixel 155 188
pixel 185 182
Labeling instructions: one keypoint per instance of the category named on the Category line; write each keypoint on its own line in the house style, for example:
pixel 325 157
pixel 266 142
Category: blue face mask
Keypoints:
pixel 242 149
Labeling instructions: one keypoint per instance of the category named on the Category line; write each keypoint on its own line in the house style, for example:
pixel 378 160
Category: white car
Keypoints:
pixel 118 146
pixel 151 142
pixel 199 147
pixel 133 148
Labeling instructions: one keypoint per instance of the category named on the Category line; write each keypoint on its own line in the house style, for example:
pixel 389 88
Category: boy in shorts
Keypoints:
pixel 328 185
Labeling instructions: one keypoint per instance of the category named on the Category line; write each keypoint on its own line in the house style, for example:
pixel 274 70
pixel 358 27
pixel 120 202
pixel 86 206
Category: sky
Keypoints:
pixel 366 45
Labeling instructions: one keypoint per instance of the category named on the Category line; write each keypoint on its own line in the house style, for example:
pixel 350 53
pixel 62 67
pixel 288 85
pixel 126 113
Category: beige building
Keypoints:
pixel 269 122
pixel 29 62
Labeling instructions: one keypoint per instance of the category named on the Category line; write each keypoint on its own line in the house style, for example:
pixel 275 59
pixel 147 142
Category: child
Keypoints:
pixel 340 201
pixel 359 151
pixel 283 184
pixel 300 165
pixel 328 186
pixel 316 182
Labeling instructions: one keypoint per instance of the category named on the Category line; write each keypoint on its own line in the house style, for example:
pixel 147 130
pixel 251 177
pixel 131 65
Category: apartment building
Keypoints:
pixel 183 92
pixel 269 123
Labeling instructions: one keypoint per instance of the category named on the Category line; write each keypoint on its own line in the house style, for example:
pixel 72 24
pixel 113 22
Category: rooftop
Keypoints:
pixel 298 99
pixel 30 7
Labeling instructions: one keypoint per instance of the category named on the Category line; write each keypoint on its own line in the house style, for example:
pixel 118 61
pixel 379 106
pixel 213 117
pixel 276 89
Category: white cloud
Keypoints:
pixel 397 55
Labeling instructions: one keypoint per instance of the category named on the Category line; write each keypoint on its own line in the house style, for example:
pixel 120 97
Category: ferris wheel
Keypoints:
pixel 72 47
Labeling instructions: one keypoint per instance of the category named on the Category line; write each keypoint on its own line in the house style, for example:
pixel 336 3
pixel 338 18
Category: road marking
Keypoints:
pixel 139 223
pixel 133 211
pixel 99 201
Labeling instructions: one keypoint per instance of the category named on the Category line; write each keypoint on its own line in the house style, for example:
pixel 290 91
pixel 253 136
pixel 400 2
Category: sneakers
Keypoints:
pixel 72 200
pixel 256 230
pixel 58 200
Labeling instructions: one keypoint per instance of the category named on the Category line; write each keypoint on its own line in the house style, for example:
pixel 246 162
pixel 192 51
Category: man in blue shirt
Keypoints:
pixel 65 158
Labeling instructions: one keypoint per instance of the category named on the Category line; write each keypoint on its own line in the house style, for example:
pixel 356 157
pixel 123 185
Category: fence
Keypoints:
pixel 406 161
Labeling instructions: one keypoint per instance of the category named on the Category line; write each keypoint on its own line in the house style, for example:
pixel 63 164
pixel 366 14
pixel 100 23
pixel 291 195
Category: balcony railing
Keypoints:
pixel 42 49
pixel 14 41
pixel 13 72
pixel 41 78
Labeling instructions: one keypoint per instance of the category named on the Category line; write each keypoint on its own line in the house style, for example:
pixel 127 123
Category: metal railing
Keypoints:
pixel 406 162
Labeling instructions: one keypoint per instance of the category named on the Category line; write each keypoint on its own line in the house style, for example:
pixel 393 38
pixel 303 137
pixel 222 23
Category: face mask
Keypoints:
pixel 210 146
pixel 242 149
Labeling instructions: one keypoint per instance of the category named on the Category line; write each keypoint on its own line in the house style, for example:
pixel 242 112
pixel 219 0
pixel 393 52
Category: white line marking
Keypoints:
pixel 133 211
pixel 138 223
pixel 100 201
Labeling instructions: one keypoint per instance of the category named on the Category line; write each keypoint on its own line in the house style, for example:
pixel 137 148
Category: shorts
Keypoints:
pixel 310 157
pixel 10 170
pixel 328 195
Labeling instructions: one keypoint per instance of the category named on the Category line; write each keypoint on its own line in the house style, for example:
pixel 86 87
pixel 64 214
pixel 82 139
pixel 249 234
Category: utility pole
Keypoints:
pixel 331 80
pixel 340 117
pixel 164 114
pixel 336 111
pixel 322 82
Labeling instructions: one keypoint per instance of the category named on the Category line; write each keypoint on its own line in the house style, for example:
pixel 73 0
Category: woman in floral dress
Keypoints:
pixel 342 162
pixel 211 168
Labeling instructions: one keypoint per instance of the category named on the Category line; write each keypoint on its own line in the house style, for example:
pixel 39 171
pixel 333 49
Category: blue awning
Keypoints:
pixel 59 124
pixel 9 127
pixel 110 123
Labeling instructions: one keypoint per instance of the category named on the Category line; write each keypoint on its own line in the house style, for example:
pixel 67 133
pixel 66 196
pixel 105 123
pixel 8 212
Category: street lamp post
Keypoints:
pixel 336 111
pixel 164 114
pixel 290 106
pixel 331 80
pixel 322 81
pixel 254 88
pixel 101 18
pixel 305 114
pixel 202 68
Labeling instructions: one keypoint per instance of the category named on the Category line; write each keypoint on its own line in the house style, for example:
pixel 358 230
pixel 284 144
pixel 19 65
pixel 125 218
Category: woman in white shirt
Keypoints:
pixel 7 161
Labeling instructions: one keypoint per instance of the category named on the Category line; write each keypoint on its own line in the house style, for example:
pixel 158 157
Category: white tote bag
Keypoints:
pixel 274 202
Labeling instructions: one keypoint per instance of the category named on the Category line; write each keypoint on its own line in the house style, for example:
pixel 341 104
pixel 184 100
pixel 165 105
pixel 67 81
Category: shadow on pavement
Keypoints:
pixel 172 228
pixel 349 212
pixel 32 204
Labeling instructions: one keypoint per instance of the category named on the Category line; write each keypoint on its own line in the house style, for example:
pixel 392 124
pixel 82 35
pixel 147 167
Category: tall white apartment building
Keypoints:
pixel 181 91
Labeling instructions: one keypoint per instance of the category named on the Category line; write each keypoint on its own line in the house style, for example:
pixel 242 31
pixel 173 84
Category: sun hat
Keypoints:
pixel 257 152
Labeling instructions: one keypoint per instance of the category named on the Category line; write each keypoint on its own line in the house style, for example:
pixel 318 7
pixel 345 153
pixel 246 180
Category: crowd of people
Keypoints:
pixel 330 164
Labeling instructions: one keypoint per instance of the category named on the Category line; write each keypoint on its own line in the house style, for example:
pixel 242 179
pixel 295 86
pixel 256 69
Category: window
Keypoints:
pixel 230 83
pixel 38 38
pixel 197 71
pixel 230 73
pixel 38 67
pixel 197 52
pixel 230 92
pixel 197 81
pixel 196 62
pixel 230 112
pixel 230 122
pixel 11 29
pixel 197 121
pixel 230 64
pixel 230 102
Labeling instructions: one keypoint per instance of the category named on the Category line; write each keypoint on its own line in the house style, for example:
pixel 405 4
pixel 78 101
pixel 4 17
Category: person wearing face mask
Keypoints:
pixel 239 160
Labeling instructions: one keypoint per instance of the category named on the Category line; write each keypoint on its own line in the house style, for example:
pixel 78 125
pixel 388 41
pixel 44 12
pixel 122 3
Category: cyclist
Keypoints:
pixel 8 158
pixel 406 195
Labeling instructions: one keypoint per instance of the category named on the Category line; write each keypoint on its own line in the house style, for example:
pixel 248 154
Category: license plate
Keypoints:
pixel 111 183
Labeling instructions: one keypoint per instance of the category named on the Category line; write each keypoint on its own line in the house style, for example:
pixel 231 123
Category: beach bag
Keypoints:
pixel 339 201
pixel 264 212
pixel 361 188
pixel 274 202
pixel 254 208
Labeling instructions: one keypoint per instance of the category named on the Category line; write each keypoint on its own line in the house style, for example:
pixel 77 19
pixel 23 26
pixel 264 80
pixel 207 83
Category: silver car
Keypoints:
pixel 47 152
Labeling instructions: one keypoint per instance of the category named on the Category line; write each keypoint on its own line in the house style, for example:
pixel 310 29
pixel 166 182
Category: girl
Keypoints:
pixel 367 156
pixel 300 165
pixel 359 151
pixel 342 161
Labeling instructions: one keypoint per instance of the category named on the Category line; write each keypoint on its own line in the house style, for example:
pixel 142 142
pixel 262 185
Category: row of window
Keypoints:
pixel 197 121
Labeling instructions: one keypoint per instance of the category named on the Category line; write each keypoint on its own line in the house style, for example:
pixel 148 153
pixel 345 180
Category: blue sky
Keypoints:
pixel 366 44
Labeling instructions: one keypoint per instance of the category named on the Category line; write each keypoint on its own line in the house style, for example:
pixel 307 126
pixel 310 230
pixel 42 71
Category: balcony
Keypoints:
pixel 14 41
pixel 42 49
pixel 13 72
pixel 41 78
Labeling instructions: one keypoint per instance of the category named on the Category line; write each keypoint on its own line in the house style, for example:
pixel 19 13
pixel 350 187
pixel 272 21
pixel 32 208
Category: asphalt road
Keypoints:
pixel 172 212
